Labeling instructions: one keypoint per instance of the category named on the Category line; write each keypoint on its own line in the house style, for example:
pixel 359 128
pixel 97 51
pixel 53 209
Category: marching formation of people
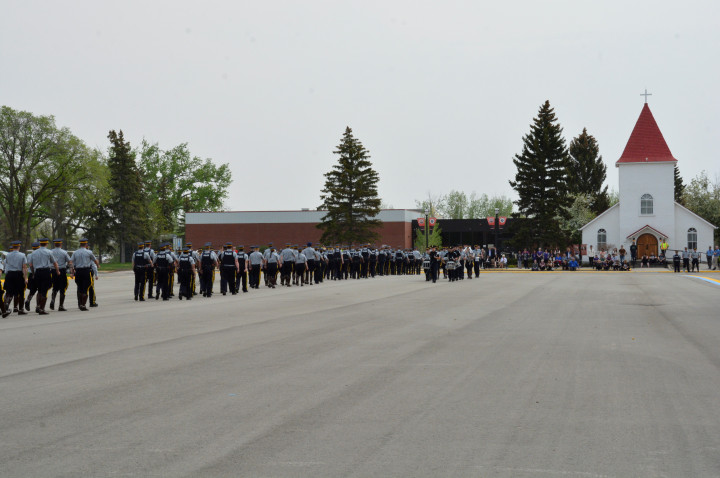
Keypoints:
pixel 239 270
pixel 47 271
pixel 43 270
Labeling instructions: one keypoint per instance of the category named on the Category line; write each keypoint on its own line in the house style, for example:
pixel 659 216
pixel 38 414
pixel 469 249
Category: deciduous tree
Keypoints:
pixel 40 163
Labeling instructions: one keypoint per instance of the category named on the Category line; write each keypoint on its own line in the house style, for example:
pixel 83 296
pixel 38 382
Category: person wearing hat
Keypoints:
pixel 60 281
pixel 265 255
pixel 228 268
pixel 311 256
pixel 186 269
pixel 300 268
pixel 141 262
pixel 256 262
pixel 274 261
pixel 196 258
pixel 164 259
pixel 31 288
pixel 287 257
pixel 208 263
pixel 16 276
pixel 149 271
pixel 243 265
pixel 42 262
pixel 83 259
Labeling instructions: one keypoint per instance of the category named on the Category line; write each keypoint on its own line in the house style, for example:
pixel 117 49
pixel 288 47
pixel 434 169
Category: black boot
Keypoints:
pixel 41 306
pixel 62 304
pixel 19 305
pixel 52 301
pixel 27 301
pixel 4 307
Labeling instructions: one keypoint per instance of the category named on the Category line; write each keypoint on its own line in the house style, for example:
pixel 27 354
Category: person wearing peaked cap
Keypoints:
pixel 16 276
pixel 60 281
pixel 31 288
pixel 296 253
pixel 42 262
pixel 256 263
pixel 196 257
pixel 243 264
pixel 312 257
pixel 83 259
pixel 164 261
pixel 173 267
pixel 141 262
pixel 273 263
pixel 149 271
pixel 208 264
pixel 186 269
pixel 228 268
pixel 263 267
pixel 287 258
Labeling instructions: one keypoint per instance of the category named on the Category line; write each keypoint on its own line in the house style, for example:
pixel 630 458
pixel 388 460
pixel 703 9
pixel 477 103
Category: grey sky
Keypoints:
pixel 441 93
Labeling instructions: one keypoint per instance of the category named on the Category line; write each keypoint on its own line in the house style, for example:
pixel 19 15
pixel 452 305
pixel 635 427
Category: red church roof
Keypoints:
pixel 646 143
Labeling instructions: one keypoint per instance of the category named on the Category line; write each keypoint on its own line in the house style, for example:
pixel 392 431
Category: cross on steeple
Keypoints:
pixel 646 94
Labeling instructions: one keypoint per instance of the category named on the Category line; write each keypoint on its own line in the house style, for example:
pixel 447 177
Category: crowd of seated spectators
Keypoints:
pixel 545 260
pixel 610 261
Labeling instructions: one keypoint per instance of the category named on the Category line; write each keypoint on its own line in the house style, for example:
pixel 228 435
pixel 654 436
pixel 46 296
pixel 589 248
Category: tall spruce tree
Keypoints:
pixel 679 187
pixel 128 208
pixel 587 171
pixel 541 181
pixel 350 196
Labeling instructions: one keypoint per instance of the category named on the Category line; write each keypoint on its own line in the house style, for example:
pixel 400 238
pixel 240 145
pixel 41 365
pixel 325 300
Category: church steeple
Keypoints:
pixel 646 143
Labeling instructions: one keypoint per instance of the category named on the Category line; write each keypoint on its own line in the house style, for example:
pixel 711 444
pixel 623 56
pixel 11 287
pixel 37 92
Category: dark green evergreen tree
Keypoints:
pixel 350 196
pixel 587 171
pixel 129 210
pixel 541 181
pixel 679 187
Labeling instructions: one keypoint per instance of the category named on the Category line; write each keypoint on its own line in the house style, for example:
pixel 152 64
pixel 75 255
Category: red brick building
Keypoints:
pixel 280 227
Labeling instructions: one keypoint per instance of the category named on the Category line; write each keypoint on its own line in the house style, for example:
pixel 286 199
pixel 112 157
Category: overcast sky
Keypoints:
pixel 440 93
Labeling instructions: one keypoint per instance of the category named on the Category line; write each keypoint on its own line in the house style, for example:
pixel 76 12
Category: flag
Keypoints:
pixel 491 221
pixel 503 219
pixel 431 221
pixel 421 221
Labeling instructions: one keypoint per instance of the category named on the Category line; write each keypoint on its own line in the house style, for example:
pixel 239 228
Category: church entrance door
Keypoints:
pixel 647 244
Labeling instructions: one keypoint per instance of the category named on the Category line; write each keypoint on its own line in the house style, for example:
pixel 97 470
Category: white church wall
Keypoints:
pixel 684 220
pixel 637 179
pixel 609 221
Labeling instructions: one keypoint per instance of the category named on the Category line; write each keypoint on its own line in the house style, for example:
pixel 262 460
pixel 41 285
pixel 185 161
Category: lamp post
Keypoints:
pixel 497 211
pixel 427 213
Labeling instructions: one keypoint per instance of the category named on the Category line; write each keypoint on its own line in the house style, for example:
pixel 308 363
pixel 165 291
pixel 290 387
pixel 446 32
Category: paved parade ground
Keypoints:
pixel 576 374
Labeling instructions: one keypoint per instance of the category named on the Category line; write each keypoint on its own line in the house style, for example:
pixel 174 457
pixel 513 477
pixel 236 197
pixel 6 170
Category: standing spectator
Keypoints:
pixel 633 253
pixel 709 255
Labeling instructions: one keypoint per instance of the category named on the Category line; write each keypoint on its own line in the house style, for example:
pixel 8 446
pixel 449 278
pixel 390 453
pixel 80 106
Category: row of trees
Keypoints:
pixel 56 186
pixel 458 205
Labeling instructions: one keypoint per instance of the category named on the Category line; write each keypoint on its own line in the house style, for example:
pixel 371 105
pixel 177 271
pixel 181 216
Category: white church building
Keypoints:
pixel 647 211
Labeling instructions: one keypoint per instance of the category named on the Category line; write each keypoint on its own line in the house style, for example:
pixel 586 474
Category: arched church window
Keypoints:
pixel 692 238
pixel 602 239
pixel 646 204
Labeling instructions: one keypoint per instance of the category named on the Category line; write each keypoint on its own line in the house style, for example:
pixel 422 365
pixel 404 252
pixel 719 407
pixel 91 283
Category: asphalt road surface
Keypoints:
pixel 583 374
